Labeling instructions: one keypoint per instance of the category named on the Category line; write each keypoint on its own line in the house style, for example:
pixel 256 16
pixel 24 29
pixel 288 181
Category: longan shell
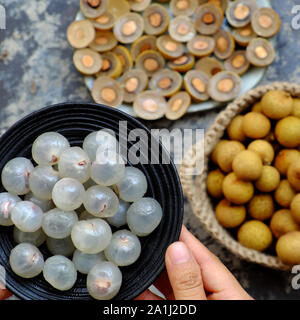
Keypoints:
pixel 229 215
pixel 269 179
pixel 227 152
pixel 256 125
pixel 261 207
pixel 255 234
pixel 293 175
pixel 277 104
pixel 288 248
pixel 287 132
pixel 284 194
pixel 283 222
pixel 247 165
pixel 235 129
pixel 214 183
pixel 237 190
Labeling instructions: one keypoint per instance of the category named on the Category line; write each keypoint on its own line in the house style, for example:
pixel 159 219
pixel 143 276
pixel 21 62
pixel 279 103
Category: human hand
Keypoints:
pixel 194 273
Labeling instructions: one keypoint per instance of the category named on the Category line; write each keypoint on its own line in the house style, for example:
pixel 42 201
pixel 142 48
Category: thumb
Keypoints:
pixel 184 273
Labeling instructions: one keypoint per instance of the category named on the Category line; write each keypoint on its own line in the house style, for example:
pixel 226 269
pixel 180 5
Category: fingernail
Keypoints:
pixel 179 253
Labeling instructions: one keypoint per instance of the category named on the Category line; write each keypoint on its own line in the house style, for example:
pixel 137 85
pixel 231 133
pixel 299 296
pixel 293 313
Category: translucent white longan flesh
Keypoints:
pixel 15 175
pixel 133 185
pixel 91 236
pixel 45 205
pixel 97 139
pixel 119 219
pixel 60 272
pixel 104 281
pixel 124 248
pixel 108 168
pixel 47 148
pixel 35 238
pixel 27 216
pixel 85 262
pixel 64 247
pixel 7 203
pixel 143 216
pixel 58 224
pixel 68 194
pixel 101 201
pixel 74 163
pixel 42 180
pixel 26 260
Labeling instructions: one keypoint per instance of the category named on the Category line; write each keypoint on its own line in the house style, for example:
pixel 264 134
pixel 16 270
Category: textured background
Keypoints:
pixel 36 70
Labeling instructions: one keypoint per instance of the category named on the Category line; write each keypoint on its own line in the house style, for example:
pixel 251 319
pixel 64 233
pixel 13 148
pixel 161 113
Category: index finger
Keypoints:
pixel 216 277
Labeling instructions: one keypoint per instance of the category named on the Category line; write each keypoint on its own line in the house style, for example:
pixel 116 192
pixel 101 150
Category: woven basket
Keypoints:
pixel 194 187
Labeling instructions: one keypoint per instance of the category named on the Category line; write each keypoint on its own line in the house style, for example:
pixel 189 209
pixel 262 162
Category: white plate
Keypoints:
pixel 249 80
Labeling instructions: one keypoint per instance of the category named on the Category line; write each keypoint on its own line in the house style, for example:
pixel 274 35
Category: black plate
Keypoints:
pixel 75 121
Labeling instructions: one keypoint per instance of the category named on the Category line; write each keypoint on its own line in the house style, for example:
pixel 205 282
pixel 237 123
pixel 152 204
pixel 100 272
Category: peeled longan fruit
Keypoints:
pixel 285 158
pixel 284 194
pixel 257 107
pixel 295 208
pixel 256 125
pixel 214 183
pixel 226 153
pixel 236 190
pixel 247 165
pixel 283 222
pixel 277 104
pixel 288 248
pixel 255 235
pixel 214 155
pixel 229 215
pixel 269 179
pixel 264 149
pixel 293 175
pixel 296 107
pixel 235 129
pixel 261 207
pixel 287 132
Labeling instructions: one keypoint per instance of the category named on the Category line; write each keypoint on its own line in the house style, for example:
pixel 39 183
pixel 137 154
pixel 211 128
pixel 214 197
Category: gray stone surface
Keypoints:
pixel 36 70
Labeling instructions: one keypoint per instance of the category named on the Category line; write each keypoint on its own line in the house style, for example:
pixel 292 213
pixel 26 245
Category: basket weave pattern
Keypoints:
pixel 195 187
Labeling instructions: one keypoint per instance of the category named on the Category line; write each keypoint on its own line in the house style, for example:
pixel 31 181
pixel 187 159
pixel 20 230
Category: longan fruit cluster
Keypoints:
pixel 255 176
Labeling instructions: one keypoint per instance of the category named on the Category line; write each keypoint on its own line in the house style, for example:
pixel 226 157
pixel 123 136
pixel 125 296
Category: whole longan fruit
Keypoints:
pixel 293 175
pixel 288 248
pixel 264 149
pixel 284 159
pixel 277 104
pixel 255 235
pixel 226 153
pixel 295 208
pixel 287 132
pixel 214 183
pixel 261 207
pixel 256 125
pixel 269 179
pixel 214 155
pixel 296 107
pixel 284 194
pixel 236 190
pixel 283 222
pixel 247 165
pixel 257 107
pixel 229 215
pixel 235 129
